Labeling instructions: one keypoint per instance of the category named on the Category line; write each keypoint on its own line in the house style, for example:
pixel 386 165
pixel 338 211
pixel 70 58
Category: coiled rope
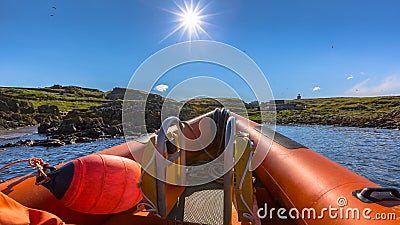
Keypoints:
pixel 38 163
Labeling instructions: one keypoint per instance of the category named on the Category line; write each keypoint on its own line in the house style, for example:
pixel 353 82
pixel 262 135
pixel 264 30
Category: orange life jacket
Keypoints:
pixel 13 213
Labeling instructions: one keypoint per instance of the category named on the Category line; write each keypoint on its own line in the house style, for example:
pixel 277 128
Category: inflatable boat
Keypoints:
pixel 235 171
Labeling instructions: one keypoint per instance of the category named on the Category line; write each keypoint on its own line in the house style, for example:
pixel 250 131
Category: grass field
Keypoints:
pixel 355 107
pixel 360 108
pixel 65 98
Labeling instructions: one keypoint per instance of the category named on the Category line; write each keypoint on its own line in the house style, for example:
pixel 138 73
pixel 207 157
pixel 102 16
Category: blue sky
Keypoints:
pixel 313 47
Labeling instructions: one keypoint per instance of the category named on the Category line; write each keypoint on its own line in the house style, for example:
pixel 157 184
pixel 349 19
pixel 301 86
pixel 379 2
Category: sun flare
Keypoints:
pixel 190 18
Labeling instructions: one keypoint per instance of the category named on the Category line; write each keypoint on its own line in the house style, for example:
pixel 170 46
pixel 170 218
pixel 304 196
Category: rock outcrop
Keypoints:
pixel 15 113
pixel 28 142
pixel 49 109
pixel 9 104
pixel 105 121
pixel 84 125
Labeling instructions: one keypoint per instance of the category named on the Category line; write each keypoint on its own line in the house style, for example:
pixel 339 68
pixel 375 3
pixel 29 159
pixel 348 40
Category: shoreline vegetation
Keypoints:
pixel 70 114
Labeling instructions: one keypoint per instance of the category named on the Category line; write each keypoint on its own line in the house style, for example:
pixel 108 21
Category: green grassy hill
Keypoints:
pixel 358 107
pixel 65 98
pixel 381 111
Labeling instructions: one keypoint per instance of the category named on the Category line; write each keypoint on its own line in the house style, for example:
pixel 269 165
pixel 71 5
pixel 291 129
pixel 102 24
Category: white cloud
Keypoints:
pixel 316 89
pixel 388 86
pixel 161 87
pixel 349 77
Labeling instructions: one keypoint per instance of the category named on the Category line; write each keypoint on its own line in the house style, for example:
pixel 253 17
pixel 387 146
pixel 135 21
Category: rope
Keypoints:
pixel 248 215
pixel 150 204
pixel 12 163
pixel 38 163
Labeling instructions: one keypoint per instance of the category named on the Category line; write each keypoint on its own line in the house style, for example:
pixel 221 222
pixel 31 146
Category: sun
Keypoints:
pixel 191 20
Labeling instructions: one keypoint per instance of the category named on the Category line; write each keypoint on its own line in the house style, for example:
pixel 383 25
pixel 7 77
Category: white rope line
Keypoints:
pixel 250 214
pixel 144 204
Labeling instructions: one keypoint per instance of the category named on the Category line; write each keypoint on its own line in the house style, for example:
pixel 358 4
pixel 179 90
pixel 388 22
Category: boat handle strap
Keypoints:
pixel 371 195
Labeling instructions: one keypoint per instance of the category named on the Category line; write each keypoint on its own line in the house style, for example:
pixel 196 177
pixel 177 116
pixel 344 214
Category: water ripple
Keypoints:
pixel 372 153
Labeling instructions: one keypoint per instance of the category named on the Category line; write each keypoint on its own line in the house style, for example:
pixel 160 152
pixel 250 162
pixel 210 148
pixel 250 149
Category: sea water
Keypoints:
pixel 372 153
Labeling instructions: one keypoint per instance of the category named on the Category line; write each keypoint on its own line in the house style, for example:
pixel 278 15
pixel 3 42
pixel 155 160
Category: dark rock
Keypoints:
pixel 45 143
pixel 56 86
pixel 48 128
pixel 8 145
pixel 395 113
pixel 49 109
pixel 97 122
pixel 16 116
pixel 15 113
pixel 69 140
pixel 93 123
pixel 75 120
pixel 83 140
pixel 42 118
pixel 66 129
pixel 116 93
pixel 49 143
pixel 94 133
pixel 26 107
pixel 18 143
pixel 113 131
pixel 130 94
pixel 11 103
pixel 8 103
pixel 25 142
pixel 4 106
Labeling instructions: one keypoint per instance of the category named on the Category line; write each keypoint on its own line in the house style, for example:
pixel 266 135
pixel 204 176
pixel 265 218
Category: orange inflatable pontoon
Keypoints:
pixel 264 178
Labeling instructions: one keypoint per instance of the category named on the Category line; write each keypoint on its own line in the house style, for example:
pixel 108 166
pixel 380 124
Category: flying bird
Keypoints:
pixel 54 7
pixel 51 15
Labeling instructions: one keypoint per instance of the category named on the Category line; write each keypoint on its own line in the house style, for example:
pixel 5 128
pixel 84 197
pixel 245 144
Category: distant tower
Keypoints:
pixel 298 97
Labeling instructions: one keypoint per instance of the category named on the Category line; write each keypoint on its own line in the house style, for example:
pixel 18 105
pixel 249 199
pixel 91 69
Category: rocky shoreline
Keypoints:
pixel 102 122
pixel 87 125
pixel 79 126
pixel 105 120
pixel 15 113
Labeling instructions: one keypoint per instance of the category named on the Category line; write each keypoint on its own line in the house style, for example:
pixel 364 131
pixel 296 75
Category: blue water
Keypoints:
pixel 52 155
pixel 372 153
